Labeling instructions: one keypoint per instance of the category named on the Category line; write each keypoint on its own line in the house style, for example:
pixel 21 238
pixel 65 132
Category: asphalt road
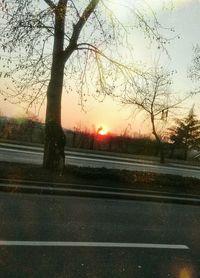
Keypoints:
pixel 89 160
pixel 51 236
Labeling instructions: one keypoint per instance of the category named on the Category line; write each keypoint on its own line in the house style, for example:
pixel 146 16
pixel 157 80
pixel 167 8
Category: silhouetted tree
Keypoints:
pixel 149 92
pixel 45 40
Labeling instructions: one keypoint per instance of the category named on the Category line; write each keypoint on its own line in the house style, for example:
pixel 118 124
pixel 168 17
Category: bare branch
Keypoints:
pixel 77 12
pixel 79 26
pixel 50 4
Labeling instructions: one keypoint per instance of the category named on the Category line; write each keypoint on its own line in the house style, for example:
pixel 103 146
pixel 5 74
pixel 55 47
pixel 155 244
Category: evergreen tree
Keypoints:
pixel 186 134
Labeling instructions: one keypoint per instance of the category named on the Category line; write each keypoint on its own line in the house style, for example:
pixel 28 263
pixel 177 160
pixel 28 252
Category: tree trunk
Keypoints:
pixel 185 152
pixel 172 151
pixel 158 140
pixel 54 136
pixel 162 152
pixel 54 157
pixel 92 142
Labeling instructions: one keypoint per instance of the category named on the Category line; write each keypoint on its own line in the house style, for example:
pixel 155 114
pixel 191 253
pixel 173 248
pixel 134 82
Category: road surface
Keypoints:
pixel 51 236
pixel 30 155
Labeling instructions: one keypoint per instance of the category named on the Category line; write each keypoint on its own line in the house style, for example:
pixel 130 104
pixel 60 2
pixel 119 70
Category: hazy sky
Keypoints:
pixel 185 19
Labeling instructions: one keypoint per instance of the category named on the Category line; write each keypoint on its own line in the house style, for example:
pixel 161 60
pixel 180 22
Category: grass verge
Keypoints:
pixel 102 177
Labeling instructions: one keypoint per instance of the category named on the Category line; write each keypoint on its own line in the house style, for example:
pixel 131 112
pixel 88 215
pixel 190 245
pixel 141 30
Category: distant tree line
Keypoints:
pixel 183 137
pixel 24 129
pixel 112 143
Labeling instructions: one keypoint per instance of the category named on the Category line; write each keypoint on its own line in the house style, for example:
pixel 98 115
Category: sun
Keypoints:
pixel 102 131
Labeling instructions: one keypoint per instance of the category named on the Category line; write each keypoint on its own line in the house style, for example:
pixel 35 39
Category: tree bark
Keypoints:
pixel 185 152
pixel 172 151
pixel 158 140
pixel 162 152
pixel 54 157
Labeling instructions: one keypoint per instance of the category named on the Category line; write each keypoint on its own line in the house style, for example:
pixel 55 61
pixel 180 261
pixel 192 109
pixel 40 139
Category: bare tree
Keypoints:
pixel 150 92
pixel 194 72
pixel 45 41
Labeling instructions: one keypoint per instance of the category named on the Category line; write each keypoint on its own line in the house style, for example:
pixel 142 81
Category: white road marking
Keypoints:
pixel 21 151
pixel 93 244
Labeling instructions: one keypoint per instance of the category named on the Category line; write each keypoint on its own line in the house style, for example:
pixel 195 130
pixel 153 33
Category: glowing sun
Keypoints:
pixel 102 131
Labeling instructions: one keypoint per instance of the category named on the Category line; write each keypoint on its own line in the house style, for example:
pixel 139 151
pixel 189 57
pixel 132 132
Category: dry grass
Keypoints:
pixel 101 176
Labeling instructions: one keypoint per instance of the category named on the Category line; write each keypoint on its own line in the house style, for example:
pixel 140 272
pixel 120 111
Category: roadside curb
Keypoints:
pixel 94 193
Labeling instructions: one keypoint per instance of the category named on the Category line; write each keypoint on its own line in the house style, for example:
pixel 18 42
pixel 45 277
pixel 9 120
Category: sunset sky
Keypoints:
pixel 185 19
